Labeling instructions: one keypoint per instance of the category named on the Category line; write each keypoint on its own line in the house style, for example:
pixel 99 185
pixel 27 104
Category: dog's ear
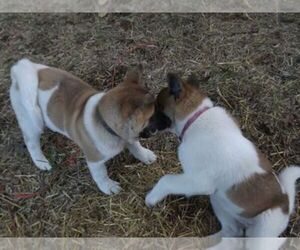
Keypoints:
pixel 140 105
pixel 134 75
pixel 175 85
pixel 195 81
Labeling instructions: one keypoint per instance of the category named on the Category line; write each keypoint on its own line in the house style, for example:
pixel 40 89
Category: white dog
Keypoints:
pixel 101 123
pixel 217 160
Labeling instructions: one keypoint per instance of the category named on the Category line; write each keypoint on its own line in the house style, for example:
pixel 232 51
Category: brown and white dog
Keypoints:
pixel 217 160
pixel 102 124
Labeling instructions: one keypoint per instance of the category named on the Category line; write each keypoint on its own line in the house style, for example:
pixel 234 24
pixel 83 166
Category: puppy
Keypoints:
pixel 218 161
pixel 102 124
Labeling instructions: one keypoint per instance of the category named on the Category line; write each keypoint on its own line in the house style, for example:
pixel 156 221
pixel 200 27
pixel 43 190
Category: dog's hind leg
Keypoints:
pixel 230 227
pixel 30 131
pixel 270 223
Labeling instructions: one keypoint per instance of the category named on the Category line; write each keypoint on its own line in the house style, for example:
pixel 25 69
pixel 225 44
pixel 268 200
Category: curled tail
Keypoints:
pixel 24 77
pixel 288 178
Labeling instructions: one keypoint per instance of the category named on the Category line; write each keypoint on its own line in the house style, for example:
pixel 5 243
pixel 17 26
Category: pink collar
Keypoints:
pixel 191 120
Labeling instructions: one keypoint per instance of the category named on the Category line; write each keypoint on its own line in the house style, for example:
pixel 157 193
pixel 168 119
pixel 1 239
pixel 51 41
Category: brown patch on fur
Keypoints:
pixel 128 107
pixel 190 98
pixel 257 194
pixel 50 77
pixel 81 137
pixel 66 105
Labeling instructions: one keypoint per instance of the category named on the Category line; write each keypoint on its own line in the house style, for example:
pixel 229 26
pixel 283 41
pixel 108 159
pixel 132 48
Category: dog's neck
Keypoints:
pixel 181 126
pixel 92 123
pixel 104 124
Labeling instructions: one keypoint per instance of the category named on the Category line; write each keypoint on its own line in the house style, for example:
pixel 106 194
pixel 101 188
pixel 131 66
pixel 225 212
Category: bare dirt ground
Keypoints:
pixel 250 64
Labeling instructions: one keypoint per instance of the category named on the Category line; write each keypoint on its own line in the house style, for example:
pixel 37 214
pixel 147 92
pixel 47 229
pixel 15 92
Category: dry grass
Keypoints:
pixel 253 65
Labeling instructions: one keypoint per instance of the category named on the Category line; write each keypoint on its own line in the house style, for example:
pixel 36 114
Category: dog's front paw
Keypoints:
pixel 147 156
pixel 152 199
pixel 110 187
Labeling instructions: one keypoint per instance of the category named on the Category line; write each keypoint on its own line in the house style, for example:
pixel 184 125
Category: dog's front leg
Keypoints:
pixel 99 173
pixel 143 154
pixel 178 184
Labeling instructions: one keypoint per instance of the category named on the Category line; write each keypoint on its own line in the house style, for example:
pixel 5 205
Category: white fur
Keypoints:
pixel 25 83
pixel 108 146
pixel 23 96
pixel 143 154
pixel 287 178
pixel 30 105
pixel 99 173
pixel 214 156
pixel 249 244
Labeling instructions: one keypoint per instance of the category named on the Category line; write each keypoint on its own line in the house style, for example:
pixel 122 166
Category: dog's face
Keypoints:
pixel 130 109
pixel 158 122
pixel 180 98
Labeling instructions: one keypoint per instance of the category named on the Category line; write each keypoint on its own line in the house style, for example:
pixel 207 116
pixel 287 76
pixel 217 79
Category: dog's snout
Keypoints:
pixel 158 122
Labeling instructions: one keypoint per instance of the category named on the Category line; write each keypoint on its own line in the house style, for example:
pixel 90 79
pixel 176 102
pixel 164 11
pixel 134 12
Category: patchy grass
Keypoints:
pixel 252 62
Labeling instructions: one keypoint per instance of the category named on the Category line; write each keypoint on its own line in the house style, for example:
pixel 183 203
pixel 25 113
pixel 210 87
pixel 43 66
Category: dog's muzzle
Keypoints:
pixel 158 122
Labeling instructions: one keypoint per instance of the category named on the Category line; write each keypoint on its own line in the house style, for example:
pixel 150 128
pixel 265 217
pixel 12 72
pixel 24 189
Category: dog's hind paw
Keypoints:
pixel 43 165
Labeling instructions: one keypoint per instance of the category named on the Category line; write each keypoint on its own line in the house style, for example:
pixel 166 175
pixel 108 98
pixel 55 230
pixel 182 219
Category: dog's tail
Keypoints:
pixel 288 178
pixel 24 77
